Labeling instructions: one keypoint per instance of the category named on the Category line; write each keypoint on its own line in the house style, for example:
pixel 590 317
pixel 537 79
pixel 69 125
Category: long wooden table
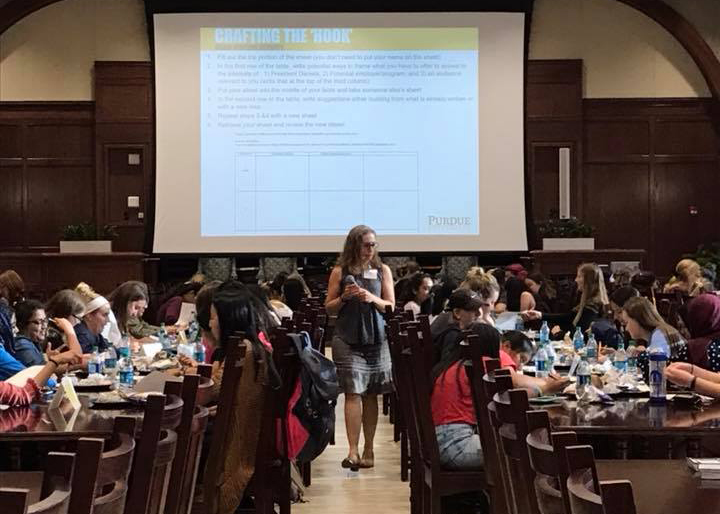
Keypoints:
pixel 634 426
pixel 661 486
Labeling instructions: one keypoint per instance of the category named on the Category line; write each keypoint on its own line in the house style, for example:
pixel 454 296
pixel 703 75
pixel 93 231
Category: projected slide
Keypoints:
pixel 315 130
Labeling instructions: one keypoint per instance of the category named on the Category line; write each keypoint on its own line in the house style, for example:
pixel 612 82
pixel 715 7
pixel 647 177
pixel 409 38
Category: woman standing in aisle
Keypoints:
pixel 360 288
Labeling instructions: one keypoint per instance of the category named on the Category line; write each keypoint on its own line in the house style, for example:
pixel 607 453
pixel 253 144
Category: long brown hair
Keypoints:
pixel 593 289
pixel 349 260
pixel 12 287
pixel 127 292
pixel 644 312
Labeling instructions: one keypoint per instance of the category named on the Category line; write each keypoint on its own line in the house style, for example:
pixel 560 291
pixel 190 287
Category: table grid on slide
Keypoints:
pixel 326 192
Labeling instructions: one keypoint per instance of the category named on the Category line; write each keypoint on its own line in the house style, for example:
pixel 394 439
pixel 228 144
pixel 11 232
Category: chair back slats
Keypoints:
pixel 14 501
pixel 88 455
pixel 587 494
pixel 422 393
pixel 547 454
pixel 511 407
pixel 183 471
pixel 232 372
pixel 57 485
pixel 147 493
pixel 476 367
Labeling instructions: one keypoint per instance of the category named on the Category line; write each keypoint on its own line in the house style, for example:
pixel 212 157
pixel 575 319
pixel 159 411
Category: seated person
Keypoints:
pixel 688 279
pixel 618 299
pixel 294 290
pixel 415 294
pixel 695 378
pixel 702 318
pixel 452 405
pixel 591 285
pixel 129 301
pixel 540 294
pixel 273 291
pixel 32 324
pixel 463 309
pixel 9 365
pixel 169 311
pixel 440 293
pixel 96 316
pixel 13 395
pixel 12 290
pixel 649 329
pixel 518 347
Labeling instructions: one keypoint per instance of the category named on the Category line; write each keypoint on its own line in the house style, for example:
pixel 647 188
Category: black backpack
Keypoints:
pixel 314 409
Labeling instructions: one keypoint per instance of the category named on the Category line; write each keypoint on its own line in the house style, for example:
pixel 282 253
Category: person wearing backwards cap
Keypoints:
pixel 463 308
pixel 96 316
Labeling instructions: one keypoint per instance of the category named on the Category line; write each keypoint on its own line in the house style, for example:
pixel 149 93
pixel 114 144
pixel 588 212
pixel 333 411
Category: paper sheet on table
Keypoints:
pixel 150 349
pixel 20 378
pixel 187 312
pixel 506 321
pixel 154 382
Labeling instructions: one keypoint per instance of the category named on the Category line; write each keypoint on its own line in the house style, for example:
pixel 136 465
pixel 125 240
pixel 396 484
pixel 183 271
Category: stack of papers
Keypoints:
pixel 708 469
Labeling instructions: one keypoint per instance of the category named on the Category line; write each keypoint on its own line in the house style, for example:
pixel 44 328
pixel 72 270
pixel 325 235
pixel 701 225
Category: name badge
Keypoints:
pixel 370 274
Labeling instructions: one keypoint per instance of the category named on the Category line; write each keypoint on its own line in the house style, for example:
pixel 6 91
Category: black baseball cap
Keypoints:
pixel 464 299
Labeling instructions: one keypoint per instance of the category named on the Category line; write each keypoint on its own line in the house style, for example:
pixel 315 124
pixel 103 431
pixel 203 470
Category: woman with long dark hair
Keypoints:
pixel 359 289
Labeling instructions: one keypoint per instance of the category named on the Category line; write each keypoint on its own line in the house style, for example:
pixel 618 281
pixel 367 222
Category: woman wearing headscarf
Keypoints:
pixel 703 321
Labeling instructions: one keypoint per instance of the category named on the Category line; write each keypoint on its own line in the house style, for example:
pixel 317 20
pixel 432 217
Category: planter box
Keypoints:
pixel 85 246
pixel 568 243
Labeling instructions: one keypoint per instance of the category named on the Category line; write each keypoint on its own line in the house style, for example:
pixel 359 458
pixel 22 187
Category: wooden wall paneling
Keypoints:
pixel 124 124
pixel 58 194
pixel 554 119
pixel 674 143
pixel 11 203
pixel 618 204
pixel 51 145
pixel 678 187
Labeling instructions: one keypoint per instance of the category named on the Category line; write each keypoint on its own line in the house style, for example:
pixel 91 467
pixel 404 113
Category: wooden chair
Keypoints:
pixel 56 489
pixel 234 354
pixel 497 379
pixel 100 481
pixel 511 407
pixel 437 482
pixel 271 482
pixel 402 376
pixel 190 434
pixel 587 494
pixel 548 460
pixel 476 367
pixel 154 455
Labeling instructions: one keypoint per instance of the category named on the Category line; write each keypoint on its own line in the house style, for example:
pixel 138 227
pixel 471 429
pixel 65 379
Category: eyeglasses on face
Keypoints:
pixel 370 245
pixel 42 322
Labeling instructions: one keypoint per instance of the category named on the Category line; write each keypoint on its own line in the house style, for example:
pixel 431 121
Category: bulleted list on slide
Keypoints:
pixel 314 130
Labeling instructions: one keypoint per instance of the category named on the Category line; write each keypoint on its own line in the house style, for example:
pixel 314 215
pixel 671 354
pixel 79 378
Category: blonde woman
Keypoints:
pixel 359 289
pixel 94 319
pixel 486 286
pixel 593 300
pixel 688 279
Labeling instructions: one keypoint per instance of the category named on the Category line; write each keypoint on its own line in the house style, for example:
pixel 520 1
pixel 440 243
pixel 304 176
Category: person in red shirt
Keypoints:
pixel 452 406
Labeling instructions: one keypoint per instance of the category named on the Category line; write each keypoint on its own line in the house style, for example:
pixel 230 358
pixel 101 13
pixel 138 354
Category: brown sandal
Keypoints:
pixel 366 462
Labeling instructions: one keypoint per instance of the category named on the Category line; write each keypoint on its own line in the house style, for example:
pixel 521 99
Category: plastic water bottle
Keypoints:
pixel 199 353
pixel 632 358
pixel 658 361
pixel 583 377
pixel 620 361
pixel 111 363
pixel 544 333
pixel 163 338
pixel 123 348
pixel 126 373
pixel 519 324
pixel 541 370
pixel 591 349
pixel 578 340
pixel 95 363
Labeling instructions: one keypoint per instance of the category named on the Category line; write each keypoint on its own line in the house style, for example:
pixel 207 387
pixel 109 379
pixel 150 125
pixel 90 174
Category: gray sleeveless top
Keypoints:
pixel 359 323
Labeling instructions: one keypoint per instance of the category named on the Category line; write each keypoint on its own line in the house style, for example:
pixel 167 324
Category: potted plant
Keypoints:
pixel 566 234
pixel 87 238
